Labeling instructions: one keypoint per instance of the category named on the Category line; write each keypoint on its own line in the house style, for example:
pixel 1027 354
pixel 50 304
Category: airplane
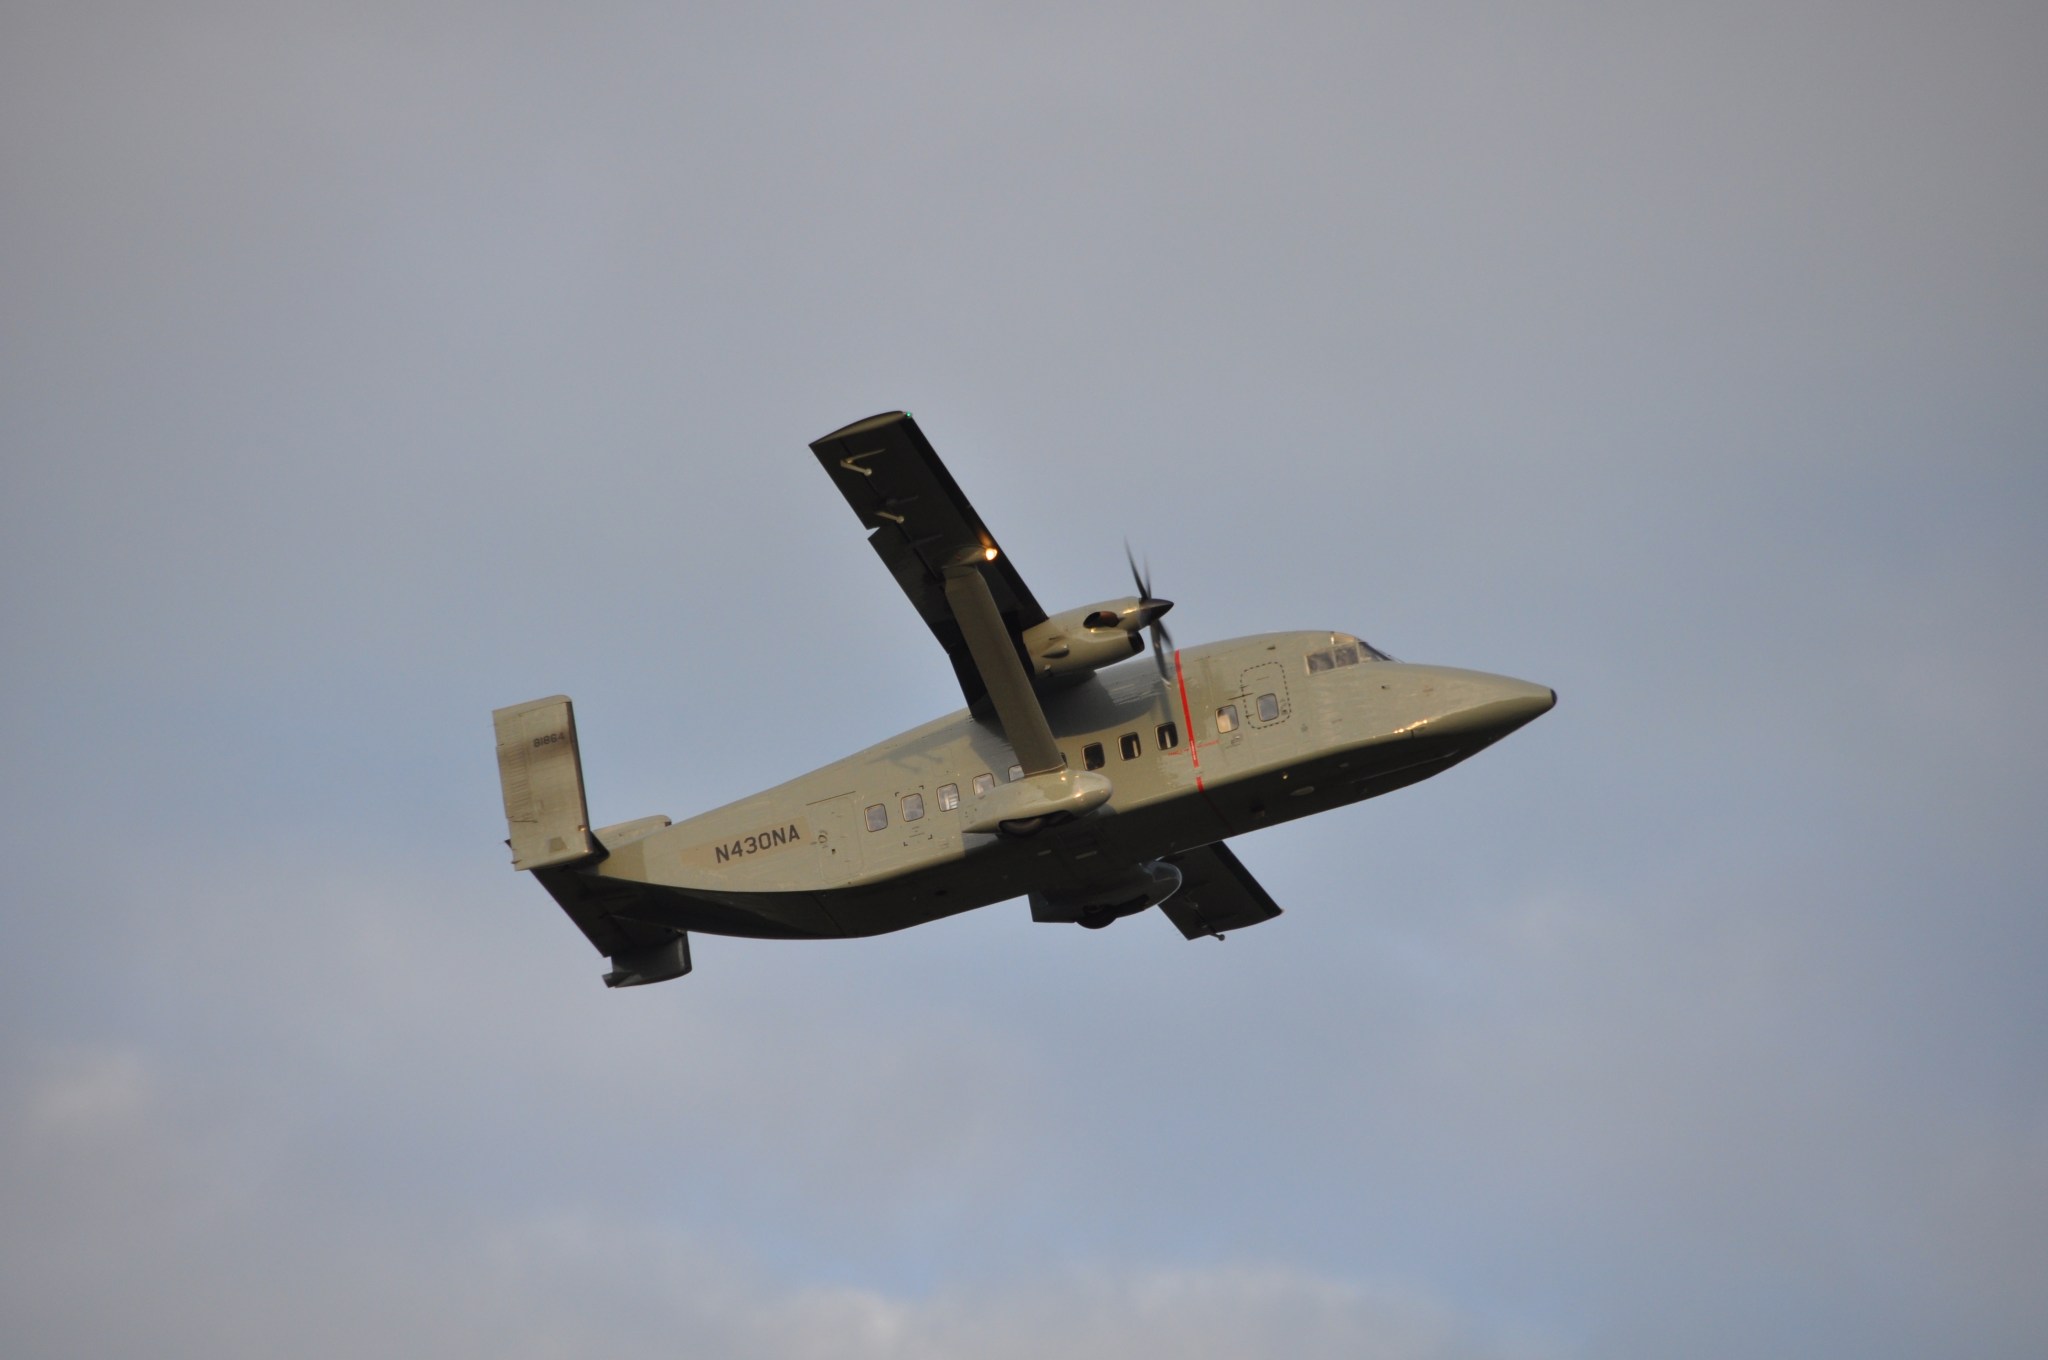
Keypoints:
pixel 1090 783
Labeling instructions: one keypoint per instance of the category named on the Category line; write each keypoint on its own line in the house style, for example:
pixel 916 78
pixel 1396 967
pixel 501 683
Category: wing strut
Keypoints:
pixel 1009 688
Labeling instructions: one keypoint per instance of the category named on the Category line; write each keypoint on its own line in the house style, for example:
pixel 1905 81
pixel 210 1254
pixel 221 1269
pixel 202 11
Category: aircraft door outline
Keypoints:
pixel 836 834
pixel 1268 678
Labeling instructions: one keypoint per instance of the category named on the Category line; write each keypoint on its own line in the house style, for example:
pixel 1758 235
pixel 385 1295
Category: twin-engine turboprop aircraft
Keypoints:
pixel 1094 789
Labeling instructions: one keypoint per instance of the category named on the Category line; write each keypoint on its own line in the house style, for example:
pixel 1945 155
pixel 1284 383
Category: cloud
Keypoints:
pixel 370 368
pixel 417 1099
pixel 133 1227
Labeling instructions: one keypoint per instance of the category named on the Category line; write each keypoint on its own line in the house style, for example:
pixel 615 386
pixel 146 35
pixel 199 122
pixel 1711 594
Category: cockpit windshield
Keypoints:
pixel 1344 650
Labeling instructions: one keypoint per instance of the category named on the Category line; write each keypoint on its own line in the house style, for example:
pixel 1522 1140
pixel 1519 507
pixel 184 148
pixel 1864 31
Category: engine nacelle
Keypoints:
pixel 1082 641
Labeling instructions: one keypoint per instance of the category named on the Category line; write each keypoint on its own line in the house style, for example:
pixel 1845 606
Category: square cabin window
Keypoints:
pixel 1016 773
pixel 1130 746
pixel 983 783
pixel 1169 736
pixel 878 816
pixel 1091 755
pixel 1226 718
pixel 949 797
pixel 1346 656
pixel 913 806
pixel 1320 661
pixel 1269 708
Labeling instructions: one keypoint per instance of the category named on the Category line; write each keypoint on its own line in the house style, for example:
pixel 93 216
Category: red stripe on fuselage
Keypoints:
pixel 1189 719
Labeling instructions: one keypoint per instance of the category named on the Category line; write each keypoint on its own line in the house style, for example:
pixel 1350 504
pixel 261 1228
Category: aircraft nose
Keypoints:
pixel 1525 702
pixel 1495 705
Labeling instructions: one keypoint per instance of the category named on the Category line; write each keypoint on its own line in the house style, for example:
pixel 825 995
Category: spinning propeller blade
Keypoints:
pixel 1162 640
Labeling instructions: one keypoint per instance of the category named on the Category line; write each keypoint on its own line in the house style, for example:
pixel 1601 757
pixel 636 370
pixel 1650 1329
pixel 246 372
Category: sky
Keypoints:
pixel 367 367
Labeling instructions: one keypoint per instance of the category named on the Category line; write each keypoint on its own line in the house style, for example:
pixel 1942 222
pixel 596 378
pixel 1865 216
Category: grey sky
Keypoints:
pixel 365 367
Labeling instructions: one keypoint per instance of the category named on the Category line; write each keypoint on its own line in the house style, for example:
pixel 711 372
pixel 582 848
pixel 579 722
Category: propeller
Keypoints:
pixel 1150 607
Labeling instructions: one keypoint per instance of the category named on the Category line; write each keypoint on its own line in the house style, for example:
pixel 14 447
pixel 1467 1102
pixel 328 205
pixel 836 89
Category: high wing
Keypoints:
pixel 922 524
pixel 1216 894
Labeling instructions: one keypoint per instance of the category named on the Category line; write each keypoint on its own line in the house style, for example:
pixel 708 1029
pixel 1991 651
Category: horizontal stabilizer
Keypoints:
pixel 542 778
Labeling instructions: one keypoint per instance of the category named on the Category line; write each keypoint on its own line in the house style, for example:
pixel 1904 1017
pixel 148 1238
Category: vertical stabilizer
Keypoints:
pixel 542 777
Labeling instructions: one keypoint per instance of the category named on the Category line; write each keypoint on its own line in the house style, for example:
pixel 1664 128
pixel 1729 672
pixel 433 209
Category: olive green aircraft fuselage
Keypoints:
pixel 1151 765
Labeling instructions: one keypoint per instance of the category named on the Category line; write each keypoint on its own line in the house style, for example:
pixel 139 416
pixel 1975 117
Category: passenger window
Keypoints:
pixel 1169 736
pixel 1269 708
pixel 1016 773
pixel 1346 656
pixel 1091 755
pixel 1320 661
pixel 1131 745
pixel 1226 718
pixel 913 806
pixel 983 783
pixel 878 816
pixel 949 797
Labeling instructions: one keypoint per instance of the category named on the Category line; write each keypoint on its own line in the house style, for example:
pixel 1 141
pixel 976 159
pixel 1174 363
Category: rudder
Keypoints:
pixel 541 775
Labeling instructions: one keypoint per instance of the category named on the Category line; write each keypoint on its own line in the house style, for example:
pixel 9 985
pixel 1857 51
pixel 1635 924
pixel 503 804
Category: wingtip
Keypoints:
pixel 859 426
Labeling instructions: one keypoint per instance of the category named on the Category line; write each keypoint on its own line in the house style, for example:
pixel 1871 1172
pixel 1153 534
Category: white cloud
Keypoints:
pixel 132 1229
pixel 85 1093
pixel 369 368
